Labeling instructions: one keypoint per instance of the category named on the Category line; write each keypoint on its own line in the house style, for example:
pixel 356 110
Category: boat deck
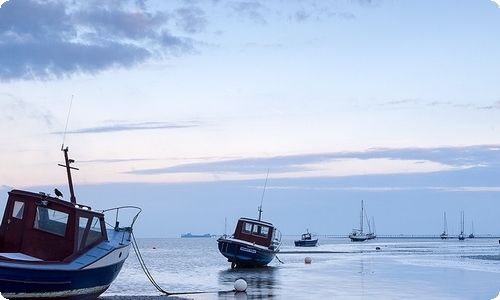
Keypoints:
pixel 18 256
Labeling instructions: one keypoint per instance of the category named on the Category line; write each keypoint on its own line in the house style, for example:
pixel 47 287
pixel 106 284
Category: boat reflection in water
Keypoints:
pixel 263 282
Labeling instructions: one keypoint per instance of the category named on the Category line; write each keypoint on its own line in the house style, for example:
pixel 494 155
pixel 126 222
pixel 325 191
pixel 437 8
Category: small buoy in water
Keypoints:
pixel 307 260
pixel 154 247
pixel 240 285
pixel 377 248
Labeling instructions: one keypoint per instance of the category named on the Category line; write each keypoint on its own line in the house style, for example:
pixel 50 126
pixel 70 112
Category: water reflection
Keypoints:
pixel 262 283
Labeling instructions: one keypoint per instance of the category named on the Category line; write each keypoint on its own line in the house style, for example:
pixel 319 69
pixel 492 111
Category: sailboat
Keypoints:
pixel 461 236
pixel 358 235
pixel 471 235
pixel 444 235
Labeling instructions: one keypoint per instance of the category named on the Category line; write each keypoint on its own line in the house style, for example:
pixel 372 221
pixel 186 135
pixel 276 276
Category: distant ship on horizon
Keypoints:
pixel 190 235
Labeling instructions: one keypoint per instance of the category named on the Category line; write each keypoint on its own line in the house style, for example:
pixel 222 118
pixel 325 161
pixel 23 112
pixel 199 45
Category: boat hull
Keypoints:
pixel 306 243
pixel 25 283
pixel 244 254
pixel 359 238
pixel 83 279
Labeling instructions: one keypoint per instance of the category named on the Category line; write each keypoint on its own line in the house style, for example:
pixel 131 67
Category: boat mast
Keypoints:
pixel 445 226
pixel 68 172
pixel 263 191
pixel 462 217
pixel 361 218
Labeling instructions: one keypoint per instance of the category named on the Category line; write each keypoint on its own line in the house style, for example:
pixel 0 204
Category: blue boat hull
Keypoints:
pixel 61 284
pixel 84 278
pixel 244 254
pixel 306 243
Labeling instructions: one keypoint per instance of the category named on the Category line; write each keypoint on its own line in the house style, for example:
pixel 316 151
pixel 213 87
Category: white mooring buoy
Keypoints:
pixel 240 285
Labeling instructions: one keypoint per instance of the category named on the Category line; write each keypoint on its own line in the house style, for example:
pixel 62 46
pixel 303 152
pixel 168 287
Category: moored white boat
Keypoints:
pixel 358 235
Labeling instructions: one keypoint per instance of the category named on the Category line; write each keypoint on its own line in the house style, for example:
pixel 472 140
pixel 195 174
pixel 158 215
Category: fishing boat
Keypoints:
pixel 358 235
pixel 306 240
pixel 254 242
pixel 461 236
pixel 444 235
pixel 52 248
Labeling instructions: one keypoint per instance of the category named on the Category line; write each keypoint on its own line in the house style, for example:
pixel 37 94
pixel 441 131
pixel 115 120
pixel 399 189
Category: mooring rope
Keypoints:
pixel 153 281
pixel 279 259
pixel 145 268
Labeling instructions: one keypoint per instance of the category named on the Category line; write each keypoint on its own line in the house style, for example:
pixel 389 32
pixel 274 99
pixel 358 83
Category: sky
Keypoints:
pixel 184 108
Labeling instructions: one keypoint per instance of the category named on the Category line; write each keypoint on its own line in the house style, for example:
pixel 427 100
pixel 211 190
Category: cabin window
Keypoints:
pixel 82 224
pixel 51 220
pixel 95 231
pixel 94 234
pixel 260 230
pixel 18 210
pixel 247 228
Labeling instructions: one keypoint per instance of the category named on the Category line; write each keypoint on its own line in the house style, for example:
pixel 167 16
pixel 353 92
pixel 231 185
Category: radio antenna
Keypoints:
pixel 67 121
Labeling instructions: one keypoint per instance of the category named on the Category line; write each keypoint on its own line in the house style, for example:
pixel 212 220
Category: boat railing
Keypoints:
pixel 276 241
pixel 128 213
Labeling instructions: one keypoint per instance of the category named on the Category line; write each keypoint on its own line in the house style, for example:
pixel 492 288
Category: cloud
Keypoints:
pixel 254 10
pixel 58 39
pixel 17 111
pixel 123 126
pixel 497 2
pixel 415 102
pixel 301 15
pixel 55 39
pixel 372 162
pixel 191 20
pixel 495 105
pixel 367 2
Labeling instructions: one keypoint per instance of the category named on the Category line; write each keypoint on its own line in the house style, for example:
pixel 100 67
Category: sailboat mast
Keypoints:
pixel 361 218
pixel 445 227
pixel 462 222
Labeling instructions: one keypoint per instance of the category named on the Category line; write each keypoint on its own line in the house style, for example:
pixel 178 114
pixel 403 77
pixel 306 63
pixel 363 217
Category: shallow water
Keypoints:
pixel 401 269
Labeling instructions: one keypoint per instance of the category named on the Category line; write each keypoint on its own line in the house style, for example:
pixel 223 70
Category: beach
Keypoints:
pixel 431 269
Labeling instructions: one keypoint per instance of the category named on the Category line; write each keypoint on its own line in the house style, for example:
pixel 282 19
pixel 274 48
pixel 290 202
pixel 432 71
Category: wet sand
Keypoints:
pixel 161 297
pixel 193 296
